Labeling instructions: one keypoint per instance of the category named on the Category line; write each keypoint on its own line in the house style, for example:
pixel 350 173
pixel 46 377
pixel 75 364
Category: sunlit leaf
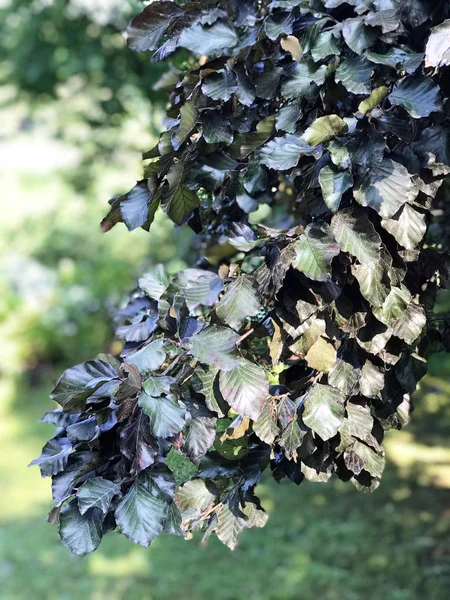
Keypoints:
pixel 324 129
pixel 240 301
pixel 385 188
pixel 283 153
pixel 437 52
pixel 334 184
pixel 314 253
pixel 356 235
pixel 214 345
pixel 206 40
pixel 324 410
pixel 245 388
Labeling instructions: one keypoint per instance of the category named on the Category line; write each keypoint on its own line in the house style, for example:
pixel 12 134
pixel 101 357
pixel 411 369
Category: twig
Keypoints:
pixel 245 336
pixel 174 363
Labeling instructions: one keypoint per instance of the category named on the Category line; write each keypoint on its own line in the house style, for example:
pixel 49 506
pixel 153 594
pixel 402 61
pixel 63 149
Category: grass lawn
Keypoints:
pixel 323 541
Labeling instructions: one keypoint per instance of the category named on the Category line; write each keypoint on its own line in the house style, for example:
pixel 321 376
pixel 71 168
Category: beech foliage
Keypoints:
pixel 294 347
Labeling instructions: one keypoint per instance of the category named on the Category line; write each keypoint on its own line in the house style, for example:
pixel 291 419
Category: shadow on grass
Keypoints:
pixel 322 541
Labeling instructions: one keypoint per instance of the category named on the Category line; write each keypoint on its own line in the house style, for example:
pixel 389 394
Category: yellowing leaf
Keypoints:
pixel 377 96
pixel 291 44
pixel 321 356
pixel 324 129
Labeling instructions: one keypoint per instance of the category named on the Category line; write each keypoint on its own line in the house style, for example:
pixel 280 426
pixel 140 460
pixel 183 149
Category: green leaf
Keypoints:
pixel 315 329
pixel 339 153
pixel 78 383
pixel 291 439
pixel 373 281
pixel 418 95
pixel 245 388
pixel 256 516
pixel 97 492
pixel 80 533
pixel 324 410
pixel 266 427
pixel 283 153
pixel 149 27
pixel 375 98
pixel 334 184
pixel 357 36
pixel 359 421
pixel 402 58
pixel 437 53
pixel 142 512
pixel 375 344
pixel 249 142
pixel 411 324
pixel 178 201
pixel 232 448
pixel 324 129
pixel 255 179
pixel 229 527
pixel 394 306
pixel 240 301
pixel 200 287
pixel 200 432
pixel 314 252
pixel 303 80
pixel 174 521
pixel 220 85
pixel 344 377
pixel 214 346
pixel 321 356
pixel 209 40
pixel 158 386
pixel 149 358
pixel 385 188
pixel 194 496
pixel 408 228
pixel 371 382
pixel 209 381
pixel 166 416
pixel 373 462
pixel 354 73
pixel 356 235
pixel 182 468
pixel 188 120
pixel 155 282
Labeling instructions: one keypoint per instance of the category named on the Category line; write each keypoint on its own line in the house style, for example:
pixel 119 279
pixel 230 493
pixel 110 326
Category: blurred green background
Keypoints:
pixel 77 108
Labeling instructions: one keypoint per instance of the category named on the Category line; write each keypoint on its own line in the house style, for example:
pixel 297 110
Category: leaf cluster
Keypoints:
pixel 291 348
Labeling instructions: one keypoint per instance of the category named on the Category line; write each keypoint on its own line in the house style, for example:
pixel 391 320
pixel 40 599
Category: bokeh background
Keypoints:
pixel 76 110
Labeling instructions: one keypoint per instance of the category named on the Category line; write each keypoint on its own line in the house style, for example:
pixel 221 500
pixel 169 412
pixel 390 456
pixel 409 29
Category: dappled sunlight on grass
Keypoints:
pixel 22 490
pixel 322 541
pixel 132 562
